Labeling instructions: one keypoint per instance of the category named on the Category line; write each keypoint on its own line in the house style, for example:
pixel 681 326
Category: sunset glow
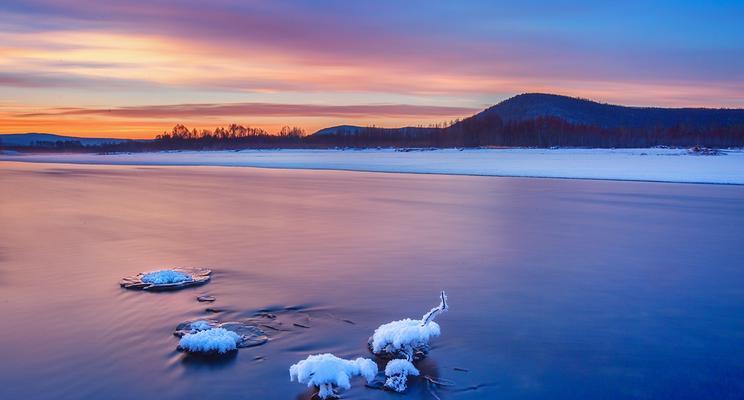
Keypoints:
pixel 135 68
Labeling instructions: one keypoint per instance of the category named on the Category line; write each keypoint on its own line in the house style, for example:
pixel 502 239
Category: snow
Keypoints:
pixel 217 340
pixel 400 367
pixel 329 372
pixel 397 372
pixel 165 276
pixel 655 164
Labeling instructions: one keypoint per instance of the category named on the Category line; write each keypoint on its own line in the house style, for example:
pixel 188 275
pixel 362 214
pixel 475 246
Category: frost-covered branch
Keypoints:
pixel 434 312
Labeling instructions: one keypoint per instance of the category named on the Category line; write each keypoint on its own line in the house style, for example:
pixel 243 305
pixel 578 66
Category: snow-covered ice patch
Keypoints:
pixel 167 279
pixel 408 338
pixel 329 373
pixel 165 276
pixel 397 372
pixel 213 340
pixel 249 335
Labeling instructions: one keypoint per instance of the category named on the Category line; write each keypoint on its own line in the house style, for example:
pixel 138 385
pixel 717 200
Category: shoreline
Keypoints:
pixel 377 172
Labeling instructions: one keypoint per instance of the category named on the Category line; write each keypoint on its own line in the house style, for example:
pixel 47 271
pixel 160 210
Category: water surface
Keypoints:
pixel 558 288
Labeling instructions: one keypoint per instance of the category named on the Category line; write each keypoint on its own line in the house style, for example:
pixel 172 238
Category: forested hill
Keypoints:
pixel 525 107
pixel 544 120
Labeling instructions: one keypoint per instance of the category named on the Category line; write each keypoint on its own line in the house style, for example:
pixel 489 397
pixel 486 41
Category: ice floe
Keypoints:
pixel 248 335
pixel 167 279
pixel 330 373
pixel 165 276
pixel 213 340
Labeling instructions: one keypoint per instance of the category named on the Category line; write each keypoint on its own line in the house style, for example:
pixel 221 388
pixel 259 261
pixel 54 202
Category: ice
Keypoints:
pixel 330 373
pixel 408 338
pixel 647 164
pixel 397 372
pixel 166 276
pixel 214 340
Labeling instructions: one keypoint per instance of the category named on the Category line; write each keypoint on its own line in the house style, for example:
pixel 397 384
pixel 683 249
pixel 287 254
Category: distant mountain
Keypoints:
pixel 40 139
pixel 339 130
pixel 577 111
pixel 343 130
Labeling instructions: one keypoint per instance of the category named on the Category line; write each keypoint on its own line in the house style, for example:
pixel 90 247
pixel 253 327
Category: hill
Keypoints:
pixel 546 120
pixel 586 112
pixel 357 130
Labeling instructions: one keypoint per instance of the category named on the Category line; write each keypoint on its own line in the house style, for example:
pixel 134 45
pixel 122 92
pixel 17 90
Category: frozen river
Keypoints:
pixel 560 289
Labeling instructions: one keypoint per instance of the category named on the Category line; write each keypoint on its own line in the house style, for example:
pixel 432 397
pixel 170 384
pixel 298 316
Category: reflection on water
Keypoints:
pixel 558 288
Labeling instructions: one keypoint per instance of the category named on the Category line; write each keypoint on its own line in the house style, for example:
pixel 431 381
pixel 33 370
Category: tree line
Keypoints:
pixel 476 131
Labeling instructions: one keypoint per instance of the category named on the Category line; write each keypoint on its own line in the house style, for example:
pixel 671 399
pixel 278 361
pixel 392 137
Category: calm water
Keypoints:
pixel 558 288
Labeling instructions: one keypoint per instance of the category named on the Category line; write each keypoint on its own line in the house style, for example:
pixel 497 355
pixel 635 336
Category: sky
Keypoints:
pixel 135 68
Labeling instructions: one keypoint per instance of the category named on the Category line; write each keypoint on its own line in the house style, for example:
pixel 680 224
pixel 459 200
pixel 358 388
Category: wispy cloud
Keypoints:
pixel 247 110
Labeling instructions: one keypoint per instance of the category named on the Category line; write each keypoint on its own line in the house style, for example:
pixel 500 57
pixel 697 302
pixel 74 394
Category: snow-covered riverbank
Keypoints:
pixel 663 165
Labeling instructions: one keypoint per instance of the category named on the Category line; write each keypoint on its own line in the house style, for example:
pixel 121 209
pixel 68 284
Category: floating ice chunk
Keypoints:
pixel 165 276
pixel 407 338
pixel 214 340
pixel 167 279
pixel 397 372
pixel 248 333
pixel 200 325
pixel 329 372
pixel 206 298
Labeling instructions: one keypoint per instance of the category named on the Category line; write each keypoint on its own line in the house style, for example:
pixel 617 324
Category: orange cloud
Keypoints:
pixel 146 121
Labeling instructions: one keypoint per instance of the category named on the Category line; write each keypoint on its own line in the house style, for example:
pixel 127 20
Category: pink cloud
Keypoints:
pixel 263 110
